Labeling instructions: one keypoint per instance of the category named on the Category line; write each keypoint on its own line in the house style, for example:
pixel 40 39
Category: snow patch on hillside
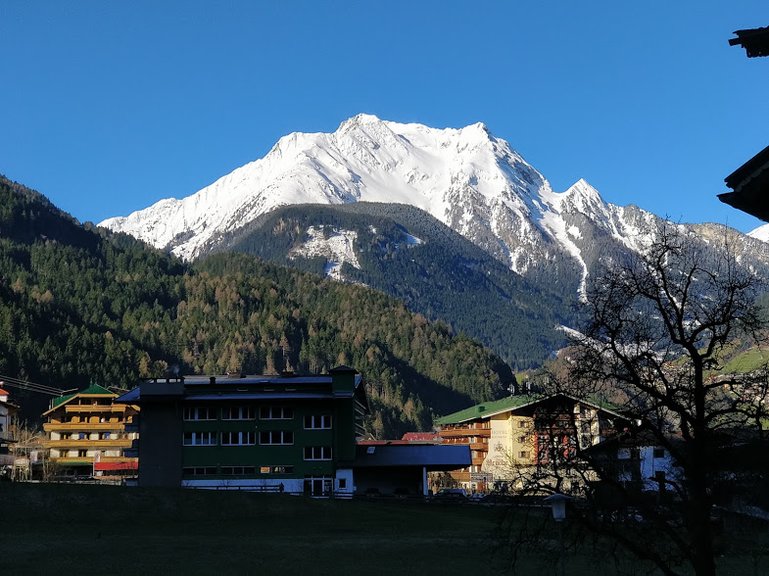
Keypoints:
pixel 335 245
pixel 413 240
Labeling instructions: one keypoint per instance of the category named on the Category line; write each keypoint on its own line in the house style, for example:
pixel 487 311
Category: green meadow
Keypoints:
pixel 88 529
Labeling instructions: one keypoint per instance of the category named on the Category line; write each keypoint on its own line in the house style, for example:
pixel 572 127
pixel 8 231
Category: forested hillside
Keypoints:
pixel 408 254
pixel 81 305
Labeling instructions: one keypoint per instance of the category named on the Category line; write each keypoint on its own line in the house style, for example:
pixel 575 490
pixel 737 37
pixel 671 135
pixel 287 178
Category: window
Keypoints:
pixel 318 485
pixel 238 470
pixel 521 423
pixel 317 452
pixel 659 452
pixel 199 413
pixel 82 436
pixel 200 438
pixel 343 483
pixel 276 437
pixel 523 454
pixel 317 421
pixel 105 436
pixel 238 438
pixel 199 471
pixel 276 413
pixel 521 439
pixel 82 453
pixel 238 413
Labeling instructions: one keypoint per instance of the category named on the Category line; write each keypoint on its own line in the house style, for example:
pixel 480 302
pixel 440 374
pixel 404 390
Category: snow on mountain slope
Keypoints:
pixel 466 178
pixel 335 245
pixel 760 233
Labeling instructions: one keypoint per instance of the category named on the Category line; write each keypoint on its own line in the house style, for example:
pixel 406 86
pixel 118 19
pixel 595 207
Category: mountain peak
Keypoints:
pixel 361 119
pixel 582 196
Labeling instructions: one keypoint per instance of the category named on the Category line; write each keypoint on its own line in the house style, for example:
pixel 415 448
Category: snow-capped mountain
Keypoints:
pixel 466 178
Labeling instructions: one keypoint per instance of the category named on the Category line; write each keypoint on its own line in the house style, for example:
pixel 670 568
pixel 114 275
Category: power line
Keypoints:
pixel 10 381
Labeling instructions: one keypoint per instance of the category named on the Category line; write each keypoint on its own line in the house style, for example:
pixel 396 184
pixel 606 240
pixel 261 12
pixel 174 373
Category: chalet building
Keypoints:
pixel 637 461
pixel 273 433
pixel 8 412
pixel 88 434
pixel 522 431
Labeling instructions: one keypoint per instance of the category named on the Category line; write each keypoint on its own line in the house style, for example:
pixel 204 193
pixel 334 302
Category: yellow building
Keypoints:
pixel 88 435
pixel 511 436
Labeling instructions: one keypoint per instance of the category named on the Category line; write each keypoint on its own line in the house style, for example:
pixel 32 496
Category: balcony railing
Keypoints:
pixel 85 426
pixel 85 444
pixel 95 408
pixel 459 432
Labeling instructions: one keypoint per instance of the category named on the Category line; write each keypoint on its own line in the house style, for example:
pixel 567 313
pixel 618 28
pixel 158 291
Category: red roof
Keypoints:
pixel 4 392
pixel 421 437
pixel 108 466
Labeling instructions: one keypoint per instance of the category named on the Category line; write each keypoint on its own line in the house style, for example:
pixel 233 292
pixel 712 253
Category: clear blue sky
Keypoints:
pixel 107 107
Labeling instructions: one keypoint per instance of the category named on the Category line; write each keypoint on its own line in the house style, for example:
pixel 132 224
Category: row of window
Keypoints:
pixel 266 438
pixel 86 436
pixel 311 421
pixel 235 470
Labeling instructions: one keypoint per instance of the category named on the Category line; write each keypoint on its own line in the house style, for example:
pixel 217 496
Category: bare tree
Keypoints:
pixel 658 327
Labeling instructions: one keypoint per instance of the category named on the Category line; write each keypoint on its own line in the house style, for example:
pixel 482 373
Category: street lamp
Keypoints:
pixel 558 506
pixel 557 503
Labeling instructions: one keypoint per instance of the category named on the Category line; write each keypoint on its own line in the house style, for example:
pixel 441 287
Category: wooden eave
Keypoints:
pixel 754 40
pixel 750 185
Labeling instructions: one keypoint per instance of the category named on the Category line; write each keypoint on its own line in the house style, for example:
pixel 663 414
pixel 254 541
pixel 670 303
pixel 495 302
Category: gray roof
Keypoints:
pixel 431 456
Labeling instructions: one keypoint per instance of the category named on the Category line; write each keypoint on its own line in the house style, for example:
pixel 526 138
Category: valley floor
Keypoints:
pixel 86 529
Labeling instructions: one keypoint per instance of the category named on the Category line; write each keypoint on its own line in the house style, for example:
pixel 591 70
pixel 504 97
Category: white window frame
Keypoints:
pixel 277 438
pixel 237 470
pixel 318 422
pixel 192 413
pixel 238 438
pixel 317 453
pixel 199 438
pixel 243 412
pixel 276 413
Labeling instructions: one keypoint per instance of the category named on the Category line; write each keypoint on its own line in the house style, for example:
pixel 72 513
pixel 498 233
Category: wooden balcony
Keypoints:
pixel 83 426
pixel 76 444
pixel 99 408
pixel 73 460
pixel 482 446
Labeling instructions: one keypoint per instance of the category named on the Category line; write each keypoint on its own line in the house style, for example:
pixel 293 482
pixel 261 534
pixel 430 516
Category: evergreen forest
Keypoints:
pixel 81 305
pixel 410 255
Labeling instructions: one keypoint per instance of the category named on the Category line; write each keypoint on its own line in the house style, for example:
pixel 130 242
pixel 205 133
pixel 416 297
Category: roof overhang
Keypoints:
pixel 750 183
pixel 754 40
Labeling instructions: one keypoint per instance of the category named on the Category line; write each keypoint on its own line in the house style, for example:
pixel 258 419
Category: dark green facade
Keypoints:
pixel 273 433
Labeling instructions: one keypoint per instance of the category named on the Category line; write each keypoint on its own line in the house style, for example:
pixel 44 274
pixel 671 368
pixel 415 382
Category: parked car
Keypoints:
pixel 451 495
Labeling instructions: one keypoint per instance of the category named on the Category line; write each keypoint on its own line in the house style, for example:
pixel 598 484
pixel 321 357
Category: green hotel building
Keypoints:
pixel 274 433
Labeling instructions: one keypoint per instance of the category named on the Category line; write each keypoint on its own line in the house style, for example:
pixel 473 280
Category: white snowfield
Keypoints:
pixel 760 233
pixel 466 178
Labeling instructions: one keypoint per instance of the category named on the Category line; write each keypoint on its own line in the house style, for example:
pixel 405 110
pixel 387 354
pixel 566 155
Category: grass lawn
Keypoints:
pixel 87 529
